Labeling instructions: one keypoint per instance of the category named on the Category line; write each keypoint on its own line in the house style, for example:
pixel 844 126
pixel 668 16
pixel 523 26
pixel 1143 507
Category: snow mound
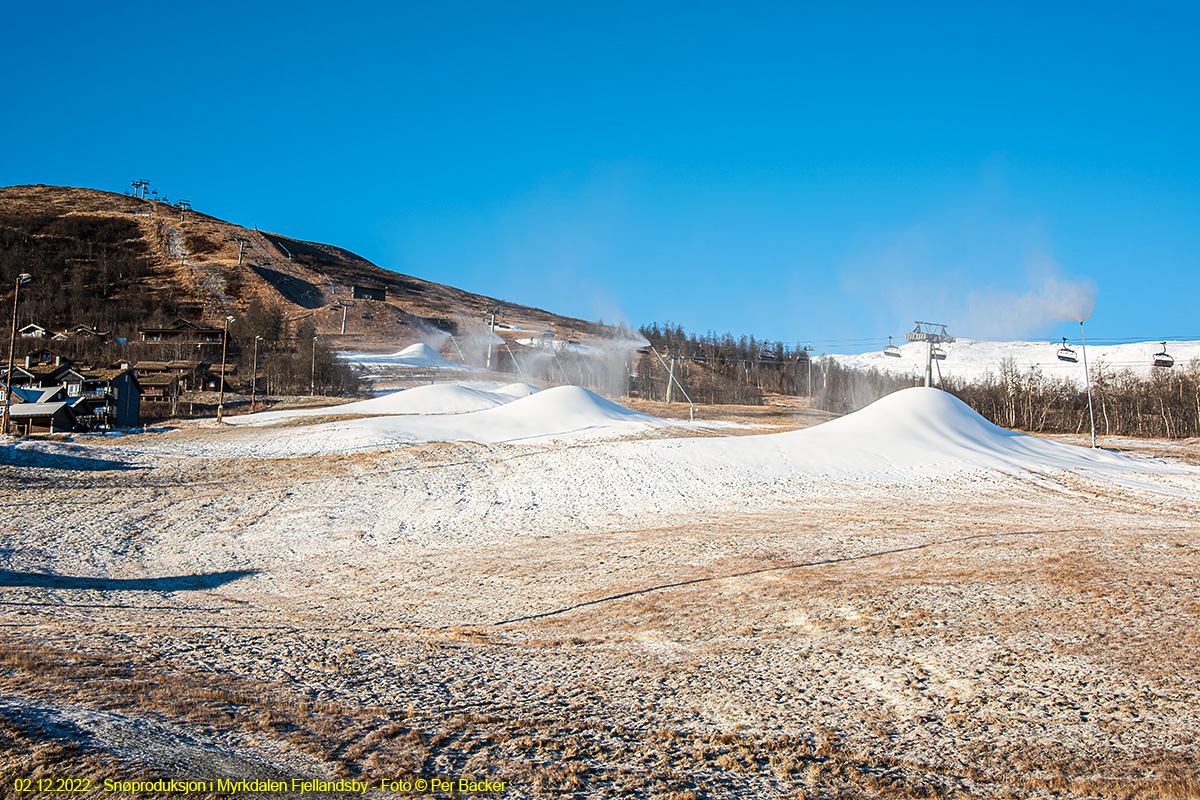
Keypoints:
pixel 517 390
pixel 564 412
pixel 417 356
pixel 441 398
pixel 911 433
pixel 566 409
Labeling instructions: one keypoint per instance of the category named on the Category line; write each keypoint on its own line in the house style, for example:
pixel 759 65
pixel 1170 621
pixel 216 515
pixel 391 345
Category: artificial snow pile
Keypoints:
pixel 415 356
pixel 972 359
pixel 564 412
pixel 441 398
pixel 912 433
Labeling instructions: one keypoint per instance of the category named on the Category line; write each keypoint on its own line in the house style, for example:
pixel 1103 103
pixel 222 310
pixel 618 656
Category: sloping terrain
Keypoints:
pixel 764 616
pixel 971 360
pixel 208 268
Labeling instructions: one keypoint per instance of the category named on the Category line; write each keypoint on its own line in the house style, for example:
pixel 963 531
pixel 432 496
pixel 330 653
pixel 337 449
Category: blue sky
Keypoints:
pixel 801 172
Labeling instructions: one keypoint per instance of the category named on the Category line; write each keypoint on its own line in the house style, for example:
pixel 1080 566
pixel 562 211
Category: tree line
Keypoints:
pixel 727 370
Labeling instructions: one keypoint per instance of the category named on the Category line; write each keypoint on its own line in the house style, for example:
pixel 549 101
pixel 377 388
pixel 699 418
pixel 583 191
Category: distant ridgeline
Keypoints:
pixel 721 369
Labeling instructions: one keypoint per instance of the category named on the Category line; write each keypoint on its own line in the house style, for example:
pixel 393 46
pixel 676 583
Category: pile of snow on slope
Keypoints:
pixel 564 412
pixel 415 356
pixel 912 433
pixel 441 398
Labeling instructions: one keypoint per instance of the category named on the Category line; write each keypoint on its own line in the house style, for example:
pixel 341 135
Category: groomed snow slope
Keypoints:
pixel 971 359
pixel 911 433
pixel 441 398
pixel 415 356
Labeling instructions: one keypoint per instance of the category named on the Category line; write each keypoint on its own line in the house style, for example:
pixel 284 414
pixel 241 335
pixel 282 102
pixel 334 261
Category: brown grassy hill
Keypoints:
pixel 116 261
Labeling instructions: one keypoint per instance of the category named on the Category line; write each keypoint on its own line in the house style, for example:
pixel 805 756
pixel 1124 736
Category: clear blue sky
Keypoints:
pixel 823 172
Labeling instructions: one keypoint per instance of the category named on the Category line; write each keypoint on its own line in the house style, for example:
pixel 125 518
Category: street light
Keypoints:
pixel 1087 377
pixel 312 392
pixel 254 374
pixel 224 344
pixel 24 277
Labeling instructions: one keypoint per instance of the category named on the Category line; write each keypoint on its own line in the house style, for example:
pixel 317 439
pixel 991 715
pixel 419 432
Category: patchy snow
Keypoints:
pixel 441 398
pixel 971 359
pixel 415 356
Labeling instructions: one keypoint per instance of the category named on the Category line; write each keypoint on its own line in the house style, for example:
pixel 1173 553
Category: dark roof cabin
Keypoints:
pixel 55 417
pixel 181 330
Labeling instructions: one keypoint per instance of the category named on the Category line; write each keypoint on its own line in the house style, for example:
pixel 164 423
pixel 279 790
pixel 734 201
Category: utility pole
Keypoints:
pixel 808 351
pixel 343 319
pixel 224 372
pixel 254 375
pixel 670 378
pixel 184 205
pixel 312 392
pixel 1088 379
pixel 24 277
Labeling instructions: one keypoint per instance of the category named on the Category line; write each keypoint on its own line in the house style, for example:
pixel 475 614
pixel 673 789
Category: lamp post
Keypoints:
pixel 24 277
pixel 312 391
pixel 1088 379
pixel 224 345
pixel 254 375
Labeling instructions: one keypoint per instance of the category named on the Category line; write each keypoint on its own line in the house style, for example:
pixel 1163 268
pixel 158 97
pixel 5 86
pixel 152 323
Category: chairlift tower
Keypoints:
pixel 933 333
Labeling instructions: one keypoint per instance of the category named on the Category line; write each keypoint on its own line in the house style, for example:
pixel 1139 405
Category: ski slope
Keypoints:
pixel 971 359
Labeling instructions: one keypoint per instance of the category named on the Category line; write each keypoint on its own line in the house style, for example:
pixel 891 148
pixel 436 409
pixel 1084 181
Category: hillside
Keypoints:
pixel 971 360
pixel 115 261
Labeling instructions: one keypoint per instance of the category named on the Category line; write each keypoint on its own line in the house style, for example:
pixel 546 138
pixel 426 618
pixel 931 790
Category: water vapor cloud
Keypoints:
pixel 1051 297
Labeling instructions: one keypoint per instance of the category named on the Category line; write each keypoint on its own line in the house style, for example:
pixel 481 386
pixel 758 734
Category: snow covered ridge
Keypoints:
pixel 971 359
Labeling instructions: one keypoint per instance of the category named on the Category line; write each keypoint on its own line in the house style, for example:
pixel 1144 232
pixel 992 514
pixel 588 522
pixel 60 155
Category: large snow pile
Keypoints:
pixel 971 359
pixel 564 412
pixel 914 434
pixel 911 433
pixel 441 398
pixel 415 356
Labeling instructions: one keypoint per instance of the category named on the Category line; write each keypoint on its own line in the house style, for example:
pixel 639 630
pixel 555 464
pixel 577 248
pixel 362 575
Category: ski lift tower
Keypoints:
pixel 934 333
